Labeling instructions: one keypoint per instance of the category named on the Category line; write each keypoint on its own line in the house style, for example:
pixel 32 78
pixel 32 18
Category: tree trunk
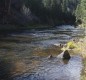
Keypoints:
pixel 9 7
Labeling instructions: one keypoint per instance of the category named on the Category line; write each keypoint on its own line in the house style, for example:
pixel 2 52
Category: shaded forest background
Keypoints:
pixel 47 12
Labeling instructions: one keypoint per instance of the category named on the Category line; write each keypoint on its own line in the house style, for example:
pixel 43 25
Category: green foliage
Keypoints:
pixel 70 45
pixel 81 11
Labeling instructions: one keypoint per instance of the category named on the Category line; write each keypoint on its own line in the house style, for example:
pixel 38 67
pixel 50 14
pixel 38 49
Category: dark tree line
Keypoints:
pixel 5 6
pixel 54 11
pixel 51 12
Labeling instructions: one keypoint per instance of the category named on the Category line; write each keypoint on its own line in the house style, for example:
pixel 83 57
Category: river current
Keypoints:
pixel 24 56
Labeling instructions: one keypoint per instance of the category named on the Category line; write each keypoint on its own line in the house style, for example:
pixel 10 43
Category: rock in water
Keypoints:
pixel 50 57
pixel 66 55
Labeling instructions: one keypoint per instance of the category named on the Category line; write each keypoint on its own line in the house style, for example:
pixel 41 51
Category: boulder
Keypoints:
pixel 66 55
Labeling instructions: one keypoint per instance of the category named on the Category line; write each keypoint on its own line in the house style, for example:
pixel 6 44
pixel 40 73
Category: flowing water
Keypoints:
pixel 24 56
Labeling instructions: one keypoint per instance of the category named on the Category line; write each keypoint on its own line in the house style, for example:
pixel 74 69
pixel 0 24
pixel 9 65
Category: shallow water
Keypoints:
pixel 56 69
pixel 24 56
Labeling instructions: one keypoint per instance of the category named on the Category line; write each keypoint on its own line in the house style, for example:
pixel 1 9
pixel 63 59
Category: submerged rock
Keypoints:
pixel 50 57
pixel 66 55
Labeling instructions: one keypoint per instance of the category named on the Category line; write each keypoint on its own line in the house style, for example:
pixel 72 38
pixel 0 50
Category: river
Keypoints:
pixel 24 56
